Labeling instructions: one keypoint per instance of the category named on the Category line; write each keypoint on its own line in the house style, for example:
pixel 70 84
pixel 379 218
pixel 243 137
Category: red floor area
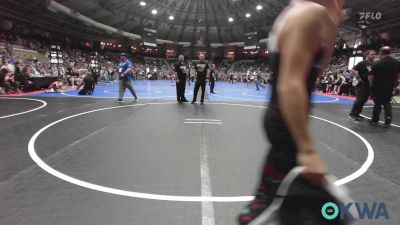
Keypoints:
pixel 31 93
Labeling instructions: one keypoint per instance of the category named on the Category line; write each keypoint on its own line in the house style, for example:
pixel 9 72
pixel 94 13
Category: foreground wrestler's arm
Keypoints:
pixel 299 42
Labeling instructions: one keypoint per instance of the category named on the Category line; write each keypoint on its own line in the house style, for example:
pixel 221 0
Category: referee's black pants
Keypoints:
pixel 212 85
pixel 379 102
pixel 202 84
pixel 362 92
pixel 180 90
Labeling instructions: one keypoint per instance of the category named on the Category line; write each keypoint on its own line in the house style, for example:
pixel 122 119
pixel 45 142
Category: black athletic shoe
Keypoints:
pixel 388 123
pixel 261 202
pixel 359 117
pixel 193 102
pixel 202 102
pixel 185 100
pixel 373 123
pixel 180 102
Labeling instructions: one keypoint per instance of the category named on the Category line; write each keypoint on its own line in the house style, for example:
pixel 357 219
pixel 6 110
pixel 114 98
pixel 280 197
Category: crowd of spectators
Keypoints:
pixel 336 83
pixel 17 72
pixel 153 69
pixel 14 77
pixel 337 79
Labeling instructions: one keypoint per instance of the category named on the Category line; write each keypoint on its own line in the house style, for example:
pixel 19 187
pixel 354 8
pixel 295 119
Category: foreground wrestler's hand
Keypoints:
pixel 315 169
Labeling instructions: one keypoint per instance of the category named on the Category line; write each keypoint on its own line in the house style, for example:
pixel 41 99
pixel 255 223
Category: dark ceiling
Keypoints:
pixel 193 19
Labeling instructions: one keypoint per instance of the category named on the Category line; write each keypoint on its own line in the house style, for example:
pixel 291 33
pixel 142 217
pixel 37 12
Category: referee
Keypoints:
pixel 212 79
pixel 125 77
pixel 383 81
pixel 202 72
pixel 181 72
pixel 362 89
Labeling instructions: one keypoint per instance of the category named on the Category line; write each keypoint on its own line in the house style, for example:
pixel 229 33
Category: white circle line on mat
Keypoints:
pixel 393 125
pixel 110 190
pixel 140 97
pixel 114 91
pixel 264 100
pixel 44 104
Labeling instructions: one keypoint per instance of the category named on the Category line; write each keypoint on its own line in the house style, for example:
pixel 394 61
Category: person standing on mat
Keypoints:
pixel 383 82
pixel 301 44
pixel 212 79
pixel 202 71
pixel 125 73
pixel 259 80
pixel 362 88
pixel 230 79
pixel 182 72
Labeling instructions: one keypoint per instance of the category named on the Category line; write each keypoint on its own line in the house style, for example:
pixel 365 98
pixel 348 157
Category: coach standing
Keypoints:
pixel 383 81
pixel 125 77
pixel 181 72
pixel 362 89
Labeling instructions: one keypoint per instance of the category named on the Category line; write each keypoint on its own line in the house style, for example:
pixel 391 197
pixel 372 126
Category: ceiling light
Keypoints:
pixel 154 11
pixel 248 15
pixel 230 19
pixel 259 7
pixel 171 18
pixel 142 3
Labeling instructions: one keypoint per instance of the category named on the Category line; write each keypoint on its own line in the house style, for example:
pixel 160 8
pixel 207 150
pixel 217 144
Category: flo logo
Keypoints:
pixel 364 211
pixel 370 15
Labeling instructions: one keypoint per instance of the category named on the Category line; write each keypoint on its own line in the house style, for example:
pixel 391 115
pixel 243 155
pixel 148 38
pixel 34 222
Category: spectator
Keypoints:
pixel 329 83
pixel 24 79
pixel 5 86
pixel 7 82
pixel 339 82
